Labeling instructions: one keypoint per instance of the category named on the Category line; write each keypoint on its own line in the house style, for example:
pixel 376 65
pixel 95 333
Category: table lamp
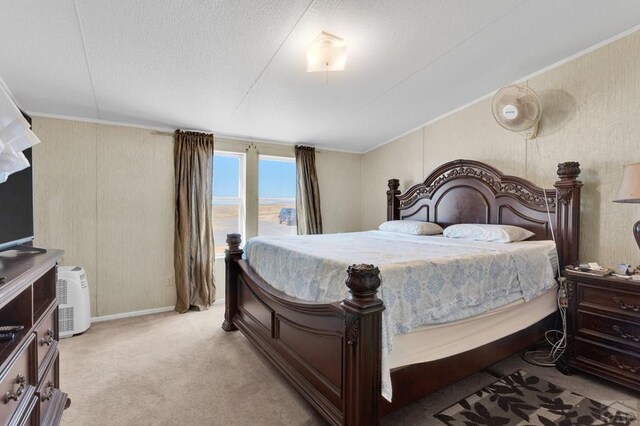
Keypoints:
pixel 629 192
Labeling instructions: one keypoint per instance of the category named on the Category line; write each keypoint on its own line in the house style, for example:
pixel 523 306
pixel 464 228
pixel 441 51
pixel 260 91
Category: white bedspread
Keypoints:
pixel 425 280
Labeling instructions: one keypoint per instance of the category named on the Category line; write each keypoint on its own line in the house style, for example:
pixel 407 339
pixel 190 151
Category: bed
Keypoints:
pixel 331 351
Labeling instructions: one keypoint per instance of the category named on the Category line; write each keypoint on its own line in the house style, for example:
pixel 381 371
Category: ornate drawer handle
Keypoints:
pixel 622 366
pixel 21 381
pixel 46 396
pixel 626 306
pixel 624 335
pixel 47 339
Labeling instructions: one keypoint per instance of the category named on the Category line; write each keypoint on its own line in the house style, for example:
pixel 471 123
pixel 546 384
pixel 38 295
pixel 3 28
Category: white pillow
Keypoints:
pixel 413 227
pixel 493 233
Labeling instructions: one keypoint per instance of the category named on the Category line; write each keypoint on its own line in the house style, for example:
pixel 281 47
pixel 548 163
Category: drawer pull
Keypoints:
pixel 626 306
pixel 21 380
pixel 48 391
pixel 47 339
pixel 624 335
pixel 622 366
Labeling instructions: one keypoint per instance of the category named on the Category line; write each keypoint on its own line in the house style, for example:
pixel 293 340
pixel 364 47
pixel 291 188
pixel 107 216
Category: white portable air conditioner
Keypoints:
pixel 72 292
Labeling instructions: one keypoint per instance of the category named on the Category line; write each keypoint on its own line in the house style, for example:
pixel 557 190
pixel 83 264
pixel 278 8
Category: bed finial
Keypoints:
pixel 363 281
pixel 233 241
pixel 568 170
pixel 362 346
pixel 393 204
pixel 232 255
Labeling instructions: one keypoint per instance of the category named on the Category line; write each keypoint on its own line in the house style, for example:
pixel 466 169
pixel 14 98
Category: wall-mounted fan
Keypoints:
pixel 517 108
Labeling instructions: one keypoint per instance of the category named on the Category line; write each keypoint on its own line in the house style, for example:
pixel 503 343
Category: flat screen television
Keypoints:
pixel 16 207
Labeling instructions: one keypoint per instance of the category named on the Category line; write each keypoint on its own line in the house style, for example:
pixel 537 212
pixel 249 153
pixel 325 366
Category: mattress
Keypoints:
pixel 433 342
pixel 426 280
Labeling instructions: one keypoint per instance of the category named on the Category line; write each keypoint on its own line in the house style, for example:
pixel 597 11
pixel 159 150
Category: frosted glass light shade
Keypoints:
pixel 12 161
pixel 629 191
pixel 26 140
pixel 15 137
pixel 9 112
pixel 13 130
pixel 327 53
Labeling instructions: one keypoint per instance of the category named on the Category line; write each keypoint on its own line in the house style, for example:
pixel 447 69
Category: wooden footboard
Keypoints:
pixel 329 352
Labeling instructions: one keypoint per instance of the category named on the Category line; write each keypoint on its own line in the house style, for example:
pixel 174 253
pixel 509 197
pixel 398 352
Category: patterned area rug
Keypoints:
pixel 524 399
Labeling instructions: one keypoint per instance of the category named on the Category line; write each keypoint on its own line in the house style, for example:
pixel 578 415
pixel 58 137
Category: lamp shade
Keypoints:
pixel 629 191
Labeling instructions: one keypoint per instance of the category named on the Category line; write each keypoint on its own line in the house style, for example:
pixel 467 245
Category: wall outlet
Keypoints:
pixel 170 282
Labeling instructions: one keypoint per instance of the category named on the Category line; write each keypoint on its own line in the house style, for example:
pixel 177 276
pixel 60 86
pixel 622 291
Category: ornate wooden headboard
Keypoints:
pixel 467 191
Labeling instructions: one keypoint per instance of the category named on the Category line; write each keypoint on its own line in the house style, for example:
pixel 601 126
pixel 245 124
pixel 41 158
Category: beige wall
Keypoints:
pixel 104 194
pixel 340 177
pixel 590 114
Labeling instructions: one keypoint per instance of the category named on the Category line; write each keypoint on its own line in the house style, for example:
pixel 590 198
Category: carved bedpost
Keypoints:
pixel 362 346
pixel 393 212
pixel 232 255
pixel 568 212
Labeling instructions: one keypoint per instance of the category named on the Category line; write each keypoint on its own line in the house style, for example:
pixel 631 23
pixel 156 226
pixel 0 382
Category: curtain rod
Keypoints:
pixel 158 132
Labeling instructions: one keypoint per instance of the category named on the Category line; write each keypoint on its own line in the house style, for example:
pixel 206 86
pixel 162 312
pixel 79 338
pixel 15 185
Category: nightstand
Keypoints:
pixel 603 327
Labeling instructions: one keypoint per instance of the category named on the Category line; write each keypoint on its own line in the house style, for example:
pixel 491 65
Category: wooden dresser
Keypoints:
pixel 29 364
pixel 603 326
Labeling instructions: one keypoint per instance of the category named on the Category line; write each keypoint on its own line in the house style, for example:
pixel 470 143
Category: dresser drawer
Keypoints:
pixel 46 337
pixel 613 362
pixel 52 400
pixel 30 417
pixel 612 329
pixel 47 389
pixel 615 301
pixel 16 385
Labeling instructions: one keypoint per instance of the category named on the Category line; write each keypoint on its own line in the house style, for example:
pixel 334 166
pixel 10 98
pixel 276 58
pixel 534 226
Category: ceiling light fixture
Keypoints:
pixel 15 137
pixel 327 53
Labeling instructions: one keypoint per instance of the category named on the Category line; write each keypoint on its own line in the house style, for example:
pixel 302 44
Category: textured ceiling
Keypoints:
pixel 238 67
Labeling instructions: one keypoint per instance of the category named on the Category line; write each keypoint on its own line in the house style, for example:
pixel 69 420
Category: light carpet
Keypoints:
pixel 173 369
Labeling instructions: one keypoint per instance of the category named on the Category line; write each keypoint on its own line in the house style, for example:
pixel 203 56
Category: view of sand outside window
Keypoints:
pixel 276 196
pixel 228 194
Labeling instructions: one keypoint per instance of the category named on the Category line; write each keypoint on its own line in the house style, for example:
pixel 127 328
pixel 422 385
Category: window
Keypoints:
pixel 228 197
pixel 276 196
pixel 254 193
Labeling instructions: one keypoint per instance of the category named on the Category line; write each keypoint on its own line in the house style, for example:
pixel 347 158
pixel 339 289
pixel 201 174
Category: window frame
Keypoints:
pixel 242 205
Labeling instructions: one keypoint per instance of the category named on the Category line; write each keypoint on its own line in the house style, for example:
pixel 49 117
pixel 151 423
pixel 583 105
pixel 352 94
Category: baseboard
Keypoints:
pixel 140 313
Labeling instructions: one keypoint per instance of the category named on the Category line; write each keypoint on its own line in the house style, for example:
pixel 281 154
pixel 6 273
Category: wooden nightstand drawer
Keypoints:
pixel 17 385
pixel 608 299
pixel 613 362
pixel 603 327
pixel 593 325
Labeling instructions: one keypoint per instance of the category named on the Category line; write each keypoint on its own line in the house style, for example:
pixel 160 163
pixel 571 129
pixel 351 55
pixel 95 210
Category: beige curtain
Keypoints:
pixel 194 254
pixel 308 194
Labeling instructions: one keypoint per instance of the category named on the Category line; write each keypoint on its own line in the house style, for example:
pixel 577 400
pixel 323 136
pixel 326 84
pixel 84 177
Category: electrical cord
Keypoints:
pixel 549 356
pixel 557 339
